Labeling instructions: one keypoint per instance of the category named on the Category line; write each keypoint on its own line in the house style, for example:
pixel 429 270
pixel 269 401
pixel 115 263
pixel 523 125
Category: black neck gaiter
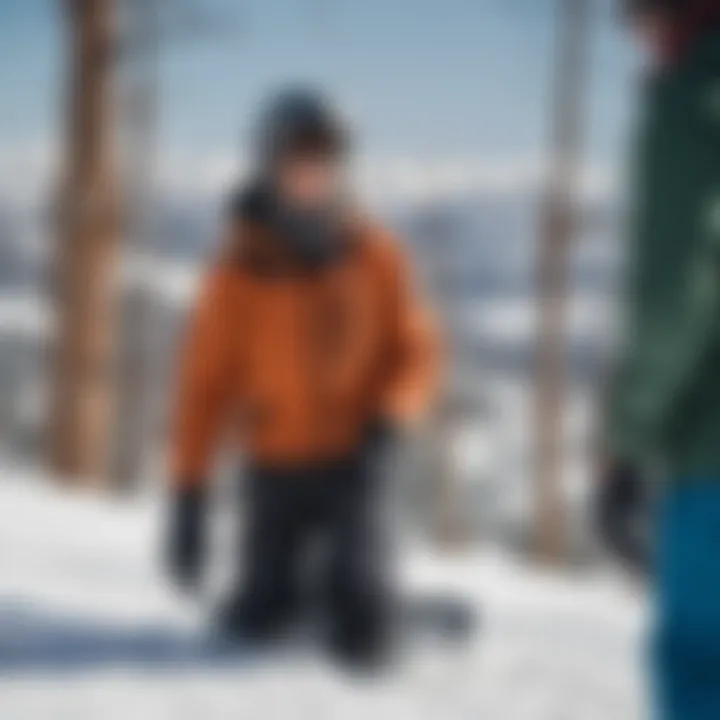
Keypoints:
pixel 313 236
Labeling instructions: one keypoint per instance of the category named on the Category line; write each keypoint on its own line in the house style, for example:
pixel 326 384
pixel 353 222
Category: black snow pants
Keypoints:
pixel 316 533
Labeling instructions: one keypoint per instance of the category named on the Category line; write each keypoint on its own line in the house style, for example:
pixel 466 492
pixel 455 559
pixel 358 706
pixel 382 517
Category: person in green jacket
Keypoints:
pixel 663 415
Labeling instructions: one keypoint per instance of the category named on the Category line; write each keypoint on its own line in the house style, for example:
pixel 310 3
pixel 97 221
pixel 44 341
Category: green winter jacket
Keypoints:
pixel 665 400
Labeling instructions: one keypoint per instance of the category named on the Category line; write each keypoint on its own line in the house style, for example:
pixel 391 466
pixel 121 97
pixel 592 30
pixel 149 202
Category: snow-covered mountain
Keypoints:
pixel 476 255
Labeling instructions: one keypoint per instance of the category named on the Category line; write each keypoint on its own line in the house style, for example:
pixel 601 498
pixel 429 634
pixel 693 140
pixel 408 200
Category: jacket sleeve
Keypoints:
pixel 669 337
pixel 204 381
pixel 413 376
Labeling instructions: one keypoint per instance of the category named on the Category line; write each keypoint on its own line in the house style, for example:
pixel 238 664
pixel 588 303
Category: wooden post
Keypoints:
pixel 85 259
pixel 558 224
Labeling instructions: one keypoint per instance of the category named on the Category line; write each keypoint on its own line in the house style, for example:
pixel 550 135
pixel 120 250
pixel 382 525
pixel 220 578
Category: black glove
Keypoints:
pixel 624 513
pixel 380 434
pixel 186 541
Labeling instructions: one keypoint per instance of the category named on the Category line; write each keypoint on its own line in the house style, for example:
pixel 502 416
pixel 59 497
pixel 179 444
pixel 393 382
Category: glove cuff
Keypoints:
pixel 187 544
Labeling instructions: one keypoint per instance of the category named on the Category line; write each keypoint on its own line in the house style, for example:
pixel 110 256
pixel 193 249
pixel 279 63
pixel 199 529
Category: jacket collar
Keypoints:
pixel 257 247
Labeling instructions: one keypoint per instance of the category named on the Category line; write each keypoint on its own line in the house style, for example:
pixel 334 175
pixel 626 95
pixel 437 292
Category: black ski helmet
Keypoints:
pixel 300 120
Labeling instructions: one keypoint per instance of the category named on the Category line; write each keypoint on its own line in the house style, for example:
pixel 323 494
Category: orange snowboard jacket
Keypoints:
pixel 297 364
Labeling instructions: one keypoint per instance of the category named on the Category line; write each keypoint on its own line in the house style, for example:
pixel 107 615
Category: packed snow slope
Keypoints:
pixel 89 629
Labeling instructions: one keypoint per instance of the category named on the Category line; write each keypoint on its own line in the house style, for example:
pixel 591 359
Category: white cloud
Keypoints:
pixel 27 175
pixel 391 179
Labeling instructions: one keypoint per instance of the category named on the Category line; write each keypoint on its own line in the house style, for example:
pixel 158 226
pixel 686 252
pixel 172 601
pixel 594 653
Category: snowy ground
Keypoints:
pixel 89 630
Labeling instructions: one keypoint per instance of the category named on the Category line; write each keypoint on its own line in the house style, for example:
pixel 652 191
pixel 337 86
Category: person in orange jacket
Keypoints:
pixel 309 348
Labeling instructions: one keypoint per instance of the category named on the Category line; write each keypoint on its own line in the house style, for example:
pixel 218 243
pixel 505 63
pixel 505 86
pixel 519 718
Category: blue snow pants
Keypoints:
pixel 686 645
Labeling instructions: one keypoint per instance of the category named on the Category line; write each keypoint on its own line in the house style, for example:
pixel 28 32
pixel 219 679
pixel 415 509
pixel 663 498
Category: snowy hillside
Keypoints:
pixel 88 629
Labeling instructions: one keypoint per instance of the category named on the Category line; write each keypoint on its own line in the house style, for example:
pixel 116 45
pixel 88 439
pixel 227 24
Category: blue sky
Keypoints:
pixel 423 78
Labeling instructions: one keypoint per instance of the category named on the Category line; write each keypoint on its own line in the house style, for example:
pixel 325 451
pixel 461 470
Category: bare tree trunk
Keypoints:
pixel 559 217
pixel 135 356
pixel 85 261
pixel 449 528
pixel 148 26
